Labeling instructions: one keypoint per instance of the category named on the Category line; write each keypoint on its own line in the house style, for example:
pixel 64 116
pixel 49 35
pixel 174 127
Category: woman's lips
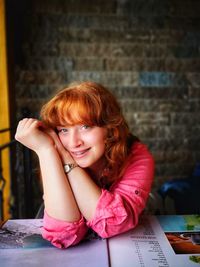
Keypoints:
pixel 80 153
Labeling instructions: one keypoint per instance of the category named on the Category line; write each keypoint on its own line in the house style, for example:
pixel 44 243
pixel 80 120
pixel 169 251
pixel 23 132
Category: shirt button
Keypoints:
pixel 136 192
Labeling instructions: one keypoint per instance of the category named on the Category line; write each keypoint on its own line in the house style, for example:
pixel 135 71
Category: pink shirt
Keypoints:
pixel 118 208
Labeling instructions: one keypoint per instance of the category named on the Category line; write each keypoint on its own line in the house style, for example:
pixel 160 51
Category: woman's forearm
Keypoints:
pixel 86 192
pixel 58 197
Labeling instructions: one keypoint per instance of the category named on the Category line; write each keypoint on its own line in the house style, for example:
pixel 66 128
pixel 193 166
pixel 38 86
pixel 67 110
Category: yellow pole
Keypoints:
pixel 4 108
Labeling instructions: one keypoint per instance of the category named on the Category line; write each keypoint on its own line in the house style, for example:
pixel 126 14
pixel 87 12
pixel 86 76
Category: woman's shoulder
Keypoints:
pixel 138 146
pixel 139 167
pixel 140 152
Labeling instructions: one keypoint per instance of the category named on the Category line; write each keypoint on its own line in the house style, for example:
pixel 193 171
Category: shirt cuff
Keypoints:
pixel 63 234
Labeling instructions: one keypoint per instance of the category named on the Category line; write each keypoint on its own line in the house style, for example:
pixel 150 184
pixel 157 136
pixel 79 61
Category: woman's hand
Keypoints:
pixel 33 134
pixel 64 154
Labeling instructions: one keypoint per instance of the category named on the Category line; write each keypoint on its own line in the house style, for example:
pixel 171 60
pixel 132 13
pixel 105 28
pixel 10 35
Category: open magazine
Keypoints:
pixel 170 241
pixel 157 241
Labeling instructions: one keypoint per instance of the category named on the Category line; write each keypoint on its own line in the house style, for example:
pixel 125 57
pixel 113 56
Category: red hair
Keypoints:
pixel 92 104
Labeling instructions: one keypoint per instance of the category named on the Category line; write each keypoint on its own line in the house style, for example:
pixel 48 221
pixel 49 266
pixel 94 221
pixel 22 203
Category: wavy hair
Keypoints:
pixel 92 104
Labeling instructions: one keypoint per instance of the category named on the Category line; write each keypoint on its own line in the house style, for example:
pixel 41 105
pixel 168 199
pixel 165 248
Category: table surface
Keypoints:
pixel 166 240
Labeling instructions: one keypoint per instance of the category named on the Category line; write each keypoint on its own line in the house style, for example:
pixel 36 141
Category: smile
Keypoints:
pixel 79 153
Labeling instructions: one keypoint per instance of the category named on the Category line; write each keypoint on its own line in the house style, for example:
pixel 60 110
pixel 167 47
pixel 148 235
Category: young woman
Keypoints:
pixel 95 173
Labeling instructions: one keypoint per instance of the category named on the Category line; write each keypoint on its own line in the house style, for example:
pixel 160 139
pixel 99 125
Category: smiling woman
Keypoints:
pixel 92 105
pixel 95 173
pixel 86 144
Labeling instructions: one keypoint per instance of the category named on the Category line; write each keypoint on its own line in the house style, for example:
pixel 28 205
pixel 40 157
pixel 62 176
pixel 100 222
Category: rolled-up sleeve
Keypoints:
pixel 63 234
pixel 119 208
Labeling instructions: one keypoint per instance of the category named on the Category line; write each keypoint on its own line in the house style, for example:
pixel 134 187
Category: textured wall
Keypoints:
pixel 147 52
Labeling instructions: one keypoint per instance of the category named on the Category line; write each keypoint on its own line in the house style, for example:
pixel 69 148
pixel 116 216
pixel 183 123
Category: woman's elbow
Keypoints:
pixel 66 237
pixel 106 230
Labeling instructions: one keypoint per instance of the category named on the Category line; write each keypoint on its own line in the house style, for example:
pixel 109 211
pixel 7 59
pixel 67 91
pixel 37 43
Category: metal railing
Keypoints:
pixel 22 201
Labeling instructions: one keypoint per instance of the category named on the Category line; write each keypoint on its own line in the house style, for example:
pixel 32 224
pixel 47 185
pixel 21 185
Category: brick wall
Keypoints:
pixel 147 52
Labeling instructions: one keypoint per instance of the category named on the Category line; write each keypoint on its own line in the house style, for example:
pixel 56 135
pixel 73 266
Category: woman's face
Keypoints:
pixel 86 144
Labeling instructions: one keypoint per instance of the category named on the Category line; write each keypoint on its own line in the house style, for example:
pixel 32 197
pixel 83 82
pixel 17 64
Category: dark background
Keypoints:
pixel 146 52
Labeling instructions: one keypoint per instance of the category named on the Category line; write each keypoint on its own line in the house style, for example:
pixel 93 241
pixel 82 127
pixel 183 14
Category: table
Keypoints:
pixel 167 240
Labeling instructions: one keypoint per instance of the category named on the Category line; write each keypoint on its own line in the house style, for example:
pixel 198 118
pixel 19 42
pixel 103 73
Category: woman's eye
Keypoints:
pixel 85 127
pixel 63 130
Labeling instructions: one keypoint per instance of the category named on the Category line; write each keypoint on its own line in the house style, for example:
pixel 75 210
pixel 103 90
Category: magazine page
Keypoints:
pixel 148 245
pixel 21 244
pixel 183 235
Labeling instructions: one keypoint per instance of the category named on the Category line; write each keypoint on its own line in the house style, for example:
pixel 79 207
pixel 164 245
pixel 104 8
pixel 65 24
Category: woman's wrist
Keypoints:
pixel 66 157
pixel 69 167
pixel 46 149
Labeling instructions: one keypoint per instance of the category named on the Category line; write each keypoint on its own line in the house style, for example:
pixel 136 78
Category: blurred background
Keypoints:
pixel 146 52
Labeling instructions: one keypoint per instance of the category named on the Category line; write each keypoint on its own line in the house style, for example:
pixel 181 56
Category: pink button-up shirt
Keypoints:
pixel 118 208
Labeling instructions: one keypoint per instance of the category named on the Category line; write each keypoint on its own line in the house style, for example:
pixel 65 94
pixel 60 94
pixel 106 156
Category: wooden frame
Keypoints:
pixel 4 107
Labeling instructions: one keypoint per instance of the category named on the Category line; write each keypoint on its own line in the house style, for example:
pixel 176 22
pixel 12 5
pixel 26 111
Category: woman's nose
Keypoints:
pixel 75 139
